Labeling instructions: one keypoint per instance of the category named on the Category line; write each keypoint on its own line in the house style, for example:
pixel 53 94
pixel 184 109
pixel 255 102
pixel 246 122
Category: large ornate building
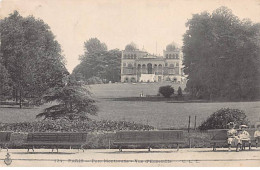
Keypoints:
pixel 140 66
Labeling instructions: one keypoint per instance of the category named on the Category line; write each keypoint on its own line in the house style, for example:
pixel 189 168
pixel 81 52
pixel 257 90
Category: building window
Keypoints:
pixel 177 56
pixel 166 64
pixel 130 65
pixel 170 56
pixel 167 56
pixel 177 64
pixel 124 64
pixel 171 65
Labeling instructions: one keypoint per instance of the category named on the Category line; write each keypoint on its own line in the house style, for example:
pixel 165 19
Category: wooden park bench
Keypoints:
pixel 148 138
pixel 219 136
pixel 5 139
pixel 55 140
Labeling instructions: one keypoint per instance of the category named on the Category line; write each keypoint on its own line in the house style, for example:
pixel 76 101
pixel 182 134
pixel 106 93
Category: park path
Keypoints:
pixel 132 157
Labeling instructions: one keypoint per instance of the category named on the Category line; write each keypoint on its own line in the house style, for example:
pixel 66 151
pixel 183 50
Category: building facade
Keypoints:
pixel 140 66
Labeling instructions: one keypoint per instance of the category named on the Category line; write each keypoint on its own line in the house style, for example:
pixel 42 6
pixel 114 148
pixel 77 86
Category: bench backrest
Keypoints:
pixel 163 135
pixel 221 134
pixel 5 137
pixel 57 137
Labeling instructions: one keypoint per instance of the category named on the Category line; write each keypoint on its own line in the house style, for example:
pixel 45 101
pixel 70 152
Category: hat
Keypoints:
pixel 257 124
pixel 243 126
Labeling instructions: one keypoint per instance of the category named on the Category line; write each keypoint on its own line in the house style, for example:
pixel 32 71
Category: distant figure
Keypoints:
pixel 244 135
pixel 233 139
pixel 142 94
pixel 257 133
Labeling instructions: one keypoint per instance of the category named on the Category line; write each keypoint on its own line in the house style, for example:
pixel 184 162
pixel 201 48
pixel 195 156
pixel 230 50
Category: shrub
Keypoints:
pixel 166 91
pixel 220 119
pixel 179 92
pixel 94 80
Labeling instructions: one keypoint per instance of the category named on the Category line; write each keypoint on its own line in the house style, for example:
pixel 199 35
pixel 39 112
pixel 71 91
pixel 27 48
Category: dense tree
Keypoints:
pixel 166 91
pixel 222 56
pixel 94 45
pixel 31 55
pixel 179 92
pixel 220 119
pixel 99 62
pixel 5 82
pixel 73 100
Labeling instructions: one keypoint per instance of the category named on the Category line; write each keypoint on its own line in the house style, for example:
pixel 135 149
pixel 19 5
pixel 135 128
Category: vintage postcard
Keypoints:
pixel 129 83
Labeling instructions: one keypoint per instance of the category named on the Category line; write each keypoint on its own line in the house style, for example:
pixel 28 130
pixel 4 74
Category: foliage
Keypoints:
pixel 166 91
pixel 131 47
pixel 99 62
pixel 222 56
pixel 94 80
pixel 5 82
pixel 64 124
pixel 73 101
pixel 31 55
pixel 94 45
pixel 220 119
pixel 179 91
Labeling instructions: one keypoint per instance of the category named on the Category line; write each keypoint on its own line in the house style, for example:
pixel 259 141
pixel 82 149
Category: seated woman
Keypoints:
pixel 257 133
pixel 233 139
pixel 244 136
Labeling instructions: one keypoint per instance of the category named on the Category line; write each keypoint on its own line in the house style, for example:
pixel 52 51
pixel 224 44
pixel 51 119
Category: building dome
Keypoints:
pixel 172 46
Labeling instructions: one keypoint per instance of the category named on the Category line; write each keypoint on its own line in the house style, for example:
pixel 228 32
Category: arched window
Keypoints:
pixel 139 67
pixel 171 65
pixel 166 64
pixel 130 65
pixel 167 56
pixel 149 68
pixel 126 79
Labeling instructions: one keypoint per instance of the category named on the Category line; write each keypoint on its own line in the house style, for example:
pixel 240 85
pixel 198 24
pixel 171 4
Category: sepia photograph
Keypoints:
pixel 129 83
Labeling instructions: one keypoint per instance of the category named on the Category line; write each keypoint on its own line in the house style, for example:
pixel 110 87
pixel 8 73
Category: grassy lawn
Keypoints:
pixel 113 105
pixel 160 114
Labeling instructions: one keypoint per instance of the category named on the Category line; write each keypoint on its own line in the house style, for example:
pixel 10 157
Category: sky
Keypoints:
pixel 120 22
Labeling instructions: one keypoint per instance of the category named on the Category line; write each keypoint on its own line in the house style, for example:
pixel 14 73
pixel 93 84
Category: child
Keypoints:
pixel 232 137
pixel 257 133
pixel 244 136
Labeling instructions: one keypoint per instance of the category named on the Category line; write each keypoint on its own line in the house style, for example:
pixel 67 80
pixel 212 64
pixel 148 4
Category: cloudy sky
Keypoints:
pixel 119 22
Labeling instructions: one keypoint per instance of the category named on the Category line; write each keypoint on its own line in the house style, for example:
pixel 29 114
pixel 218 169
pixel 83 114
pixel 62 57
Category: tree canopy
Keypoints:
pixel 5 83
pixel 99 62
pixel 220 119
pixel 31 55
pixel 73 100
pixel 222 56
